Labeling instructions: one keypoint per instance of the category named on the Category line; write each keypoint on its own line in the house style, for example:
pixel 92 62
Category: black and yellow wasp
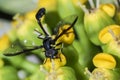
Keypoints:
pixel 49 43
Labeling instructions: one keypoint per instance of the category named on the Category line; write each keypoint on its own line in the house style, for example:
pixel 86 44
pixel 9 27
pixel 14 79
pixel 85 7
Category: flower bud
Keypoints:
pixel 4 42
pixel 94 22
pixel 110 37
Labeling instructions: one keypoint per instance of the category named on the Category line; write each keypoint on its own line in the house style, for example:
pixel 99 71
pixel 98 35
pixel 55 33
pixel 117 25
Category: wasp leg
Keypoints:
pixel 60 59
pixel 45 61
pixel 40 35
pixel 58 56
pixel 58 43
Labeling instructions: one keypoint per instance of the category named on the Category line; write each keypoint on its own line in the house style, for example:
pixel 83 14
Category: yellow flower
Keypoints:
pixel 31 15
pixel 63 73
pixel 104 74
pixel 50 5
pixel 109 33
pixel 94 22
pixel 68 37
pixel 104 60
pixel 4 42
pixel 108 8
pixel 55 63
pixel 110 37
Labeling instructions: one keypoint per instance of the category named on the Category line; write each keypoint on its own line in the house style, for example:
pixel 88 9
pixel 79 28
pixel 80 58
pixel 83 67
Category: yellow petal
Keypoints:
pixel 105 36
pixel 108 8
pixel 68 37
pixel 104 60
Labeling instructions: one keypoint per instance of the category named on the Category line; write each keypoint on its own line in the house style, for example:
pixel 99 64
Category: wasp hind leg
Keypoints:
pixel 47 59
pixel 39 34
pixel 59 57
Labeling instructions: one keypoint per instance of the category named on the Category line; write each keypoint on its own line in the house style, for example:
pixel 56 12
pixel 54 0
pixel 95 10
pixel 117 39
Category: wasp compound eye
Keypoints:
pixel 40 13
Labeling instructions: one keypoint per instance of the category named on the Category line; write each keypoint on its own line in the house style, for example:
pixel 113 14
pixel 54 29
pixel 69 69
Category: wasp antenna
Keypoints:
pixel 64 31
pixel 71 24
pixel 39 15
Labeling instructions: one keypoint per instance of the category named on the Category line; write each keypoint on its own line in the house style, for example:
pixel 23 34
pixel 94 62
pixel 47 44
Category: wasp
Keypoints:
pixel 49 43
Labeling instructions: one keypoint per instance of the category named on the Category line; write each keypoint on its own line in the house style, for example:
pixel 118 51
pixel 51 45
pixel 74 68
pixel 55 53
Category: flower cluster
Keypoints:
pixel 89 50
